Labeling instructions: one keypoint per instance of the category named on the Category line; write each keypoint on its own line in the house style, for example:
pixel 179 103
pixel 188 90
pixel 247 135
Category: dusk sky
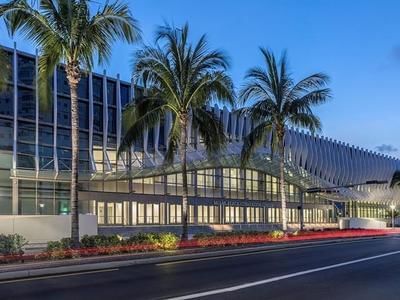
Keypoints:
pixel 357 43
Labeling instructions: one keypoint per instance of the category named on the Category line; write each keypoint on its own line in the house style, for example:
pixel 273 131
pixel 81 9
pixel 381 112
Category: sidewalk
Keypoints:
pixel 58 267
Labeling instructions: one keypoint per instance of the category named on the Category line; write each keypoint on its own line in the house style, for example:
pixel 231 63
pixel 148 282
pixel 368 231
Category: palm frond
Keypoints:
pixel 253 140
pixel 308 100
pixel 306 85
pixel 141 122
pixel 65 31
pixel 187 77
pixel 173 142
pixel 113 22
pixel 275 99
pixel 6 70
pixel 210 129
pixel 306 120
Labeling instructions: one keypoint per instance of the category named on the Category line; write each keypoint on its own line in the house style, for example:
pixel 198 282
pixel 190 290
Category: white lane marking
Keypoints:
pixel 278 278
pixel 57 276
pixel 259 252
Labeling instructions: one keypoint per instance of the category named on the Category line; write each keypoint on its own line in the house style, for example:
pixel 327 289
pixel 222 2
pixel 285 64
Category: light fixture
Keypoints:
pixel 392 206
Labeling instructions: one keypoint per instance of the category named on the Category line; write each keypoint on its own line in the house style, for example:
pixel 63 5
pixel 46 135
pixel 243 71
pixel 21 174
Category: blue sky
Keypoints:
pixel 356 42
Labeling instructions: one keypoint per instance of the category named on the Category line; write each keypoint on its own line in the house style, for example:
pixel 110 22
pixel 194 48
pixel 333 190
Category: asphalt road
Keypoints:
pixel 350 270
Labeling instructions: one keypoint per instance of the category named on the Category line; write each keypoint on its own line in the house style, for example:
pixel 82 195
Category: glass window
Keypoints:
pixel 63 137
pixel 100 212
pixel 26 148
pixel 110 213
pixel 111 93
pixel 26 103
pixel 83 115
pixel 118 213
pixel 97 89
pixel 234 214
pixel 5 193
pixel 9 59
pixel 156 214
pixel 175 213
pixel 45 198
pixel 112 119
pixel 64 111
pixel 126 213
pixel 83 140
pixel 134 212
pixel 7 102
pixel 46 151
pixel 6 135
pixel 141 213
pixel 45 135
pixel 191 215
pixel 214 214
pixel 46 113
pixel 83 88
pixel 97 117
pixel 26 132
pixel 125 94
pixel 26 70
pixel 149 213
pixel 62 81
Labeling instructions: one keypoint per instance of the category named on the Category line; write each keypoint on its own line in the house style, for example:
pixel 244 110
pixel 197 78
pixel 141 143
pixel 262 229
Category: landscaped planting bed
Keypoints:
pixel 11 247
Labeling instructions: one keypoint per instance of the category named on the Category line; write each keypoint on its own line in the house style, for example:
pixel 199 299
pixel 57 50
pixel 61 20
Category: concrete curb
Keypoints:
pixel 87 267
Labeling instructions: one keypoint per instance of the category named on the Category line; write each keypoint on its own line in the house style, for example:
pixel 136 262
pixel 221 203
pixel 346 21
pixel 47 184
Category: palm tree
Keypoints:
pixel 67 31
pixel 182 79
pixel 276 101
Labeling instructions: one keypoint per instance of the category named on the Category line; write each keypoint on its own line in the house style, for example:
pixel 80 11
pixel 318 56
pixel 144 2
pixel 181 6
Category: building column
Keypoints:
pixel 37 111
pixel 91 112
pixel 55 121
pixel 15 200
pixel 15 133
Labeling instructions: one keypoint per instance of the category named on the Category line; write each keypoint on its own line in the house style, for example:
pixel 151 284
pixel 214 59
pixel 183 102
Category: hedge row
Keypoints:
pixel 153 241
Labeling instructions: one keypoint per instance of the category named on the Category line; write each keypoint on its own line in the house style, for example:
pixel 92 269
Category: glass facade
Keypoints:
pixel 223 195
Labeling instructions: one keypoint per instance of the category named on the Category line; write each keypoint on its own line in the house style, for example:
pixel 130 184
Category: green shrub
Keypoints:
pixel 277 234
pixel 63 244
pixel 165 240
pixel 88 241
pixel 168 241
pixel 66 243
pixel 143 239
pixel 12 244
pixel 53 246
pixel 94 241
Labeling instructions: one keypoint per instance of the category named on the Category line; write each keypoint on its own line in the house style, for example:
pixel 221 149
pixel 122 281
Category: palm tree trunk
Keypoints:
pixel 282 179
pixel 73 75
pixel 183 152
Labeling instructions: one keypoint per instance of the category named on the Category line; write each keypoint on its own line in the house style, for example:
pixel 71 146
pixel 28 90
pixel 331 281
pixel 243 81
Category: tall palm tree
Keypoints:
pixel 67 31
pixel 275 101
pixel 180 78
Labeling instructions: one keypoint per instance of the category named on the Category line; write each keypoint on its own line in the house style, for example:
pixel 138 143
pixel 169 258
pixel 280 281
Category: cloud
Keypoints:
pixel 386 148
